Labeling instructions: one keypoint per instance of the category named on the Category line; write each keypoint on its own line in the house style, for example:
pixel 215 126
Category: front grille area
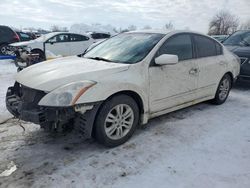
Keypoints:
pixel 29 97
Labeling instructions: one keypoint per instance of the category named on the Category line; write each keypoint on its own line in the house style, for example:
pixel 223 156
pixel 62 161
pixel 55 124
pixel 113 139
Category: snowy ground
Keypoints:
pixel 201 146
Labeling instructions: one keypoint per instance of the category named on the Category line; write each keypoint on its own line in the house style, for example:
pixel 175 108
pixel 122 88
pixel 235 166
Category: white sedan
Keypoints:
pixel 57 43
pixel 123 82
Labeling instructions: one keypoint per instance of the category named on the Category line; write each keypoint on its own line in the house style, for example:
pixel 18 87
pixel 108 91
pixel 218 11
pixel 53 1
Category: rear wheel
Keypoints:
pixel 223 90
pixel 116 120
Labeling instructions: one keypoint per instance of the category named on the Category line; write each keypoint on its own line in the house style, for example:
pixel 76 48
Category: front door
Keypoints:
pixel 79 43
pixel 173 85
pixel 59 45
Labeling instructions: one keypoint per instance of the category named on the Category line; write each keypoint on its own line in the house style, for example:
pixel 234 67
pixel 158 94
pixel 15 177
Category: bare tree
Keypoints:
pixel 64 29
pixel 54 28
pixel 132 28
pixel 245 25
pixel 169 26
pixel 146 27
pixel 223 23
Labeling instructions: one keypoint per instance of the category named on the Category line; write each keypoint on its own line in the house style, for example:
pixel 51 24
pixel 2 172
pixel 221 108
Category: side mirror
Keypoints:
pixel 166 59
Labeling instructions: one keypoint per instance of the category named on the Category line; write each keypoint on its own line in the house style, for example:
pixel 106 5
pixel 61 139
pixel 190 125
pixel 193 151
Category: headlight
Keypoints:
pixel 66 95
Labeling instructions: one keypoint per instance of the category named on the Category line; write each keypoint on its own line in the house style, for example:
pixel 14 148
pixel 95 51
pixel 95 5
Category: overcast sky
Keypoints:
pixel 192 14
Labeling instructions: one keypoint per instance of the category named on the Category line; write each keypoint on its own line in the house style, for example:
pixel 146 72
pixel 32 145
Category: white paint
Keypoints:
pixel 162 88
pixel 200 146
pixel 58 48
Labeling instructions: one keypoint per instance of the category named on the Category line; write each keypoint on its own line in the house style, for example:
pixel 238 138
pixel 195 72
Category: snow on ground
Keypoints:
pixel 201 146
pixel 7 71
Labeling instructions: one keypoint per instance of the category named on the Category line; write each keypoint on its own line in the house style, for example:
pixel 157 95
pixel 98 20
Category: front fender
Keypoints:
pixel 102 91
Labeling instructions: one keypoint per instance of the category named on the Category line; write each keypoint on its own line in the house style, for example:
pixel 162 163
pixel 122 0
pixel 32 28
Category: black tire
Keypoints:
pixel 41 54
pixel 2 46
pixel 100 133
pixel 220 100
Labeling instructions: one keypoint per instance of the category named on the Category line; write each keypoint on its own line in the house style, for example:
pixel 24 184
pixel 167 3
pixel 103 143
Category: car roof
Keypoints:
pixel 173 32
pixel 49 35
pixel 165 32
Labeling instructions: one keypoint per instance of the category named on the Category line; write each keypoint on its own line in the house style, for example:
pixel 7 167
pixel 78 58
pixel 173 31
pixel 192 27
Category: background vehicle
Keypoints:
pixel 7 36
pixel 25 36
pixel 220 38
pixel 239 43
pixel 98 36
pixel 124 81
pixel 58 43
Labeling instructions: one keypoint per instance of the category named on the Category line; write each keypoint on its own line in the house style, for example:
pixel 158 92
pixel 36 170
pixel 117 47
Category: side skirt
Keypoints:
pixel 184 105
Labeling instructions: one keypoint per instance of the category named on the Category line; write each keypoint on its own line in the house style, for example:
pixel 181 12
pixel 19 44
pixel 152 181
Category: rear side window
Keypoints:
pixel 206 47
pixel 76 38
pixel 24 36
pixel 105 36
pixel 100 36
pixel 180 45
pixel 95 36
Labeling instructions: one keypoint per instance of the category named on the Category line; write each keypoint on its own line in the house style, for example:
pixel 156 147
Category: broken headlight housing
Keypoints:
pixel 66 95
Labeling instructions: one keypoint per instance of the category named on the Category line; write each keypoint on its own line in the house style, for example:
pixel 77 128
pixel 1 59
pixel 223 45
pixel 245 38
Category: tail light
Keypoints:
pixel 16 37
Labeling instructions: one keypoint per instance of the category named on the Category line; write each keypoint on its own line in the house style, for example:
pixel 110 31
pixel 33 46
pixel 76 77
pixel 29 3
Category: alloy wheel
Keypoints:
pixel 119 121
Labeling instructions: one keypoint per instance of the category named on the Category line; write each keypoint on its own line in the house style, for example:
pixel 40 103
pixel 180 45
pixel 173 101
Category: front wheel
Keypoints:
pixel 4 49
pixel 41 55
pixel 116 120
pixel 223 90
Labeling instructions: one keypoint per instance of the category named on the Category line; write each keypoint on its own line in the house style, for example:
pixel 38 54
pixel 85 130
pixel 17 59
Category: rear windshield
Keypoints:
pixel 240 38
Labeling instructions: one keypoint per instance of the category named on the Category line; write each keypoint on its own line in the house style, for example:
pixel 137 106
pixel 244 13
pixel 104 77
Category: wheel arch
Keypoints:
pixel 133 95
pixel 37 49
pixel 231 76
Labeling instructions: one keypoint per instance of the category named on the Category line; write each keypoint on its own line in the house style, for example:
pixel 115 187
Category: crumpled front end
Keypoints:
pixel 22 102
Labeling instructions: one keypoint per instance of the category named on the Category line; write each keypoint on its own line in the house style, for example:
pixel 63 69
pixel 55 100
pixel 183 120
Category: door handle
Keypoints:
pixel 194 71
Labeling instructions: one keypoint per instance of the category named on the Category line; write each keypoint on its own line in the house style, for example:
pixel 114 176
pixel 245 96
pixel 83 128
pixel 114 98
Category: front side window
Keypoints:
pixel 126 48
pixel 59 38
pixel 205 47
pixel 180 45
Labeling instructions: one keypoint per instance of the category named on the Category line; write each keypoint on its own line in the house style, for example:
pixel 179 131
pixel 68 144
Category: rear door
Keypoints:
pixel 211 64
pixel 79 43
pixel 59 45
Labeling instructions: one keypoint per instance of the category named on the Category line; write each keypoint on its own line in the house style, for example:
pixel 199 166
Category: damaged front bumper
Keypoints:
pixel 22 102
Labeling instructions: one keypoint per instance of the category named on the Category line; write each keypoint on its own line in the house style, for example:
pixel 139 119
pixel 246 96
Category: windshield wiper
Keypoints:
pixel 99 59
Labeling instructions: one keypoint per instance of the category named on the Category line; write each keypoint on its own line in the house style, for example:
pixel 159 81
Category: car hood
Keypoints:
pixel 239 50
pixel 49 75
pixel 25 43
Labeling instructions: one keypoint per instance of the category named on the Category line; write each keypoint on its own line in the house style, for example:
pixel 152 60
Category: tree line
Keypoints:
pixel 225 23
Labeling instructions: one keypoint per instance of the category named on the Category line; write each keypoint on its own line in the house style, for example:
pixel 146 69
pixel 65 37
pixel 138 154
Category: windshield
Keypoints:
pixel 125 48
pixel 240 38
